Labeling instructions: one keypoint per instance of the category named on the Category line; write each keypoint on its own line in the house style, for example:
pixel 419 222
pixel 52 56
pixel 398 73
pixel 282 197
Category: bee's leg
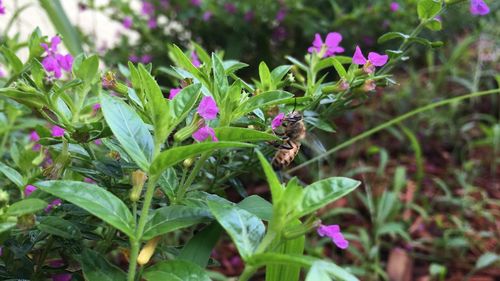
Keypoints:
pixel 276 144
pixel 287 145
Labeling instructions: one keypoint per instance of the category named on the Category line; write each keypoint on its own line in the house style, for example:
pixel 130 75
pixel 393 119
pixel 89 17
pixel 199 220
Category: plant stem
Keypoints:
pixel 134 252
pixel 392 122
pixel 247 273
pixel 197 167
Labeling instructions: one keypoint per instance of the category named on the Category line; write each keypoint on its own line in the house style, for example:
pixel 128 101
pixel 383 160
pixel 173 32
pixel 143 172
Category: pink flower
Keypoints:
pixel 96 107
pixel 332 42
pixel 2 8
pixel 208 108
pixel 147 8
pixel 277 121
pixel 173 93
pixel 207 16
pixel 152 23
pixel 34 137
pixel 89 180
pixel 333 231
pixel 28 190
pixel 146 59
pixel 394 6
pixel 374 59
pixel 230 8
pixel 98 142
pixel 195 60
pixel 196 3
pixel 204 133
pixel 53 204
pixel 2 72
pixel 57 131
pixel 248 16
pixel 55 61
pixel 280 16
pixel 479 8
pixel 133 58
pixel 127 22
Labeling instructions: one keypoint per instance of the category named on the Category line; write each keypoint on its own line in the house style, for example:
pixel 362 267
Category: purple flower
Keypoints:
pixel 146 59
pixel 195 60
pixel 89 180
pixel 133 58
pixel 479 8
pixel 280 16
pixel 152 23
pixel 28 190
pixel 173 93
pixel 147 8
pixel 207 16
pixel 333 231
pixel 196 3
pixel 34 137
pixel 55 61
pixel 230 8
pixel 127 22
pixel 204 133
pixel 332 42
pixel 96 107
pixel 279 34
pixel 248 16
pixel 54 203
pixel 57 131
pixel 374 59
pixel 65 62
pixel 2 8
pixel 208 108
pixel 277 121
pixel 61 277
pixel 98 142
pixel 2 72
pixel 394 6
pixel 52 49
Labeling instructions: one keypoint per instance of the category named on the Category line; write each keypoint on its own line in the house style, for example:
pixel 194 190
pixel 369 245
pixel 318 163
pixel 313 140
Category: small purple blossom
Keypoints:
pixel 207 16
pixel 208 108
pixel 2 72
pixel 146 59
pixel 53 204
pixel 89 180
pixel 277 121
pixel 196 3
pixel 333 231
pixel 61 277
pixel 230 8
pixel 29 189
pixel 204 133
pixel 96 107
pixel 279 34
pixel 281 14
pixel 248 16
pixel 331 44
pixel 2 8
pixel 173 93
pixel 147 8
pixel 127 22
pixel 479 8
pixel 374 59
pixel 98 142
pixel 34 137
pixel 57 131
pixel 152 23
pixel 394 6
pixel 55 61
pixel 195 60
pixel 133 58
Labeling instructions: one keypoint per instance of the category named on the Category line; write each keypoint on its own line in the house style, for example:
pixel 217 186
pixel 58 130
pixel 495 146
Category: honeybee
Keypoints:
pixel 292 132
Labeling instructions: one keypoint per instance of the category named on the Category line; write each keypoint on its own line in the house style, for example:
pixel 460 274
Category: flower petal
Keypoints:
pixel 173 93
pixel 208 108
pixel 479 7
pixel 277 121
pixel 333 39
pixel 203 133
pixel 358 57
pixel 377 59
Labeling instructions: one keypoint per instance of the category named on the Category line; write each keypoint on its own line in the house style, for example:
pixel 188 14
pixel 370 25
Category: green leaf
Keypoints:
pixel 169 183
pixel 184 62
pixel 96 268
pixel 245 229
pixel 157 104
pixel 129 129
pixel 93 199
pixel 428 9
pixel 392 35
pixel 170 218
pixel 12 175
pixel 87 71
pixel 434 25
pixel 279 72
pixel 70 35
pixel 318 273
pixel 262 100
pixel 199 248
pixel 12 59
pixel 232 66
pixel 258 206
pixel 339 68
pixel 59 227
pixel 174 155
pixel 265 76
pixel 182 103
pixel 182 270
pixel 487 259
pixel 26 206
pixel 242 134
pixel 326 191
pixel 272 179
pixel 4 226
pixel 220 79
pixel 31 99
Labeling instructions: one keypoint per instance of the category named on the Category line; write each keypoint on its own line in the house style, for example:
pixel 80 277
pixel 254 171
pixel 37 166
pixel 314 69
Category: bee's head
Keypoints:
pixel 293 117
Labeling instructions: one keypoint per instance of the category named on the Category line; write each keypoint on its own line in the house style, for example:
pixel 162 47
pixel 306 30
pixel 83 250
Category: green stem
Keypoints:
pixel 197 167
pixel 134 252
pixel 392 122
pixel 247 273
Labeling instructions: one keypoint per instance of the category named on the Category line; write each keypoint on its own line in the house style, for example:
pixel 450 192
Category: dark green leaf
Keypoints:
pixel 93 199
pixel 392 35
pixel 182 103
pixel 279 72
pixel 183 270
pixel 257 206
pixel 12 59
pixel 272 179
pixel 26 206
pixel 199 248
pixel 96 268
pixel 220 79
pixel 170 218
pixel 129 129
pixel 12 175
pixel 168 183
pixel 59 227
pixel 245 229
pixel 262 100
pixel 174 155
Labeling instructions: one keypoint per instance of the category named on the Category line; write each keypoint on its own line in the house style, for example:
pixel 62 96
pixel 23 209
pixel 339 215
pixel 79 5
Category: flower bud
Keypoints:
pixel 188 131
pixel 138 180
pixel 109 82
pixel 187 163
pixel 4 196
pixel 369 85
pixel 368 68
pixel 147 251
